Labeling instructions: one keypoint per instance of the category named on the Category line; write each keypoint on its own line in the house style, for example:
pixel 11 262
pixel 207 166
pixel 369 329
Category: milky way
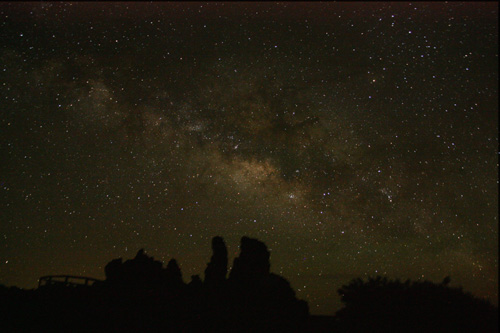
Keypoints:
pixel 354 139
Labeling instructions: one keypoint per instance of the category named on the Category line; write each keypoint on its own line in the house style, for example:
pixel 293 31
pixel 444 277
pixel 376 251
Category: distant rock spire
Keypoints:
pixel 173 273
pixel 216 271
pixel 140 254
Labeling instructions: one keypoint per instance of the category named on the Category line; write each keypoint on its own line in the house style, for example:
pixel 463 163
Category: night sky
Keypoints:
pixel 354 139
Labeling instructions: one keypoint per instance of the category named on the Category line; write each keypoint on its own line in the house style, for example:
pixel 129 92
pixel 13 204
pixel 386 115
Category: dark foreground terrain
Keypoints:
pixel 140 295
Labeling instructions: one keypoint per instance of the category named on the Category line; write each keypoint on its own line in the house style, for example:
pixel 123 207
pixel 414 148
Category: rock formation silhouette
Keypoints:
pixel 216 271
pixel 172 274
pixel 251 298
pixel 141 295
pixel 142 271
pixel 253 261
pixel 259 294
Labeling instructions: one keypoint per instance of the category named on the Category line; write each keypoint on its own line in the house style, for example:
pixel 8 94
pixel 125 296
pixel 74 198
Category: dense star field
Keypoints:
pixel 354 139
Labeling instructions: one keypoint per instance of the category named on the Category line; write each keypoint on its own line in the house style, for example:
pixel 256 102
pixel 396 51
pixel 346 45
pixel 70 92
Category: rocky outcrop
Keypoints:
pixel 142 271
pixel 216 271
pixel 253 261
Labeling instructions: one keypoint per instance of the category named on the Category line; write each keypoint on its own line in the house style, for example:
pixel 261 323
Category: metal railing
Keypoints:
pixel 66 280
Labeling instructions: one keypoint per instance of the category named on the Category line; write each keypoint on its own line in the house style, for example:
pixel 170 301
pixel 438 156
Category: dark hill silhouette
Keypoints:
pixel 141 295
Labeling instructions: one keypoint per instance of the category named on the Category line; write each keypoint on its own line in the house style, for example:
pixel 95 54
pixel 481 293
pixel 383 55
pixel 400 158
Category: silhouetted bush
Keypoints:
pixel 382 305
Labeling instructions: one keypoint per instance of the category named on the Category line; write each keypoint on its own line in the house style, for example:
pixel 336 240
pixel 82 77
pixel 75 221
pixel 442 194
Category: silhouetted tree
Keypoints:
pixel 382 305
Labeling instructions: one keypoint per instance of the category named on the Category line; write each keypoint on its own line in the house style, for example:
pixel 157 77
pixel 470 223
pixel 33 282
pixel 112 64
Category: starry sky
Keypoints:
pixel 354 139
